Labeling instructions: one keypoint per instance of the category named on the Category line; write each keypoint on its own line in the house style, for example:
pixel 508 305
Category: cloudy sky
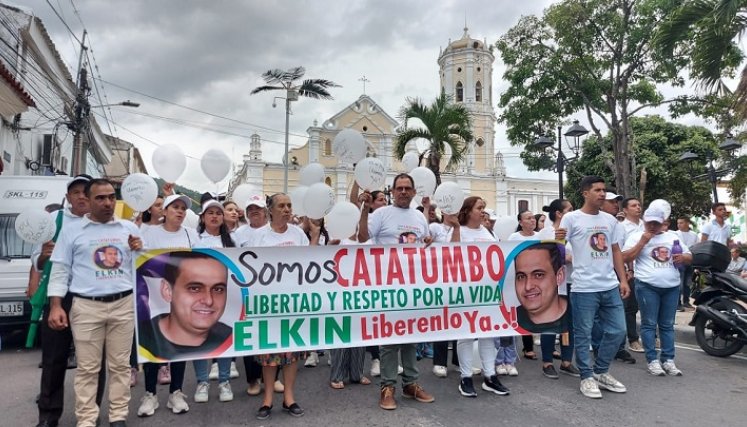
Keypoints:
pixel 209 55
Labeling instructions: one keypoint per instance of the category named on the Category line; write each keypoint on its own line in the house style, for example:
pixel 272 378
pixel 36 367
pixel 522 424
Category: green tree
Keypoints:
pixel 658 147
pixel 593 56
pixel 443 123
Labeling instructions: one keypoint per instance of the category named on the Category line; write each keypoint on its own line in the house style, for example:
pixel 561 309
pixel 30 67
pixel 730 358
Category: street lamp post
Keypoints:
pixel 291 95
pixel 576 131
pixel 728 146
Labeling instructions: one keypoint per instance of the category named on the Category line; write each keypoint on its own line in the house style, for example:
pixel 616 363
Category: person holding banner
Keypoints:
pixel 281 232
pixel 466 226
pixel 387 225
pixel 599 284
pixel 213 234
pixel 168 235
pixel 101 316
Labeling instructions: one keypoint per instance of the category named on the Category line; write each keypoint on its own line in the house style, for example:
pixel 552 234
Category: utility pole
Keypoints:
pixel 81 110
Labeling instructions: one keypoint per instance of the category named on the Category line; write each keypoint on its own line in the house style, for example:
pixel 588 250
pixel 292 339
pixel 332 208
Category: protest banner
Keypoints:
pixel 204 303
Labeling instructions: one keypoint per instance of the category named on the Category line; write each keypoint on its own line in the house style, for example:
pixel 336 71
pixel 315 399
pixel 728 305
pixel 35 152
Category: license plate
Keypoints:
pixel 8 309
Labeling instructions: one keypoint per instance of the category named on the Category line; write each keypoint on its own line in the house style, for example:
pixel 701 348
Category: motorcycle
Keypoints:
pixel 720 320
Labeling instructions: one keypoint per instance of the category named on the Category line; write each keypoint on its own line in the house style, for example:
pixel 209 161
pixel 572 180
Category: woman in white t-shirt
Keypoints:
pixel 524 231
pixel 555 212
pixel 467 226
pixel 153 215
pixel 281 232
pixel 657 282
pixel 214 234
pixel 170 234
pixel 231 215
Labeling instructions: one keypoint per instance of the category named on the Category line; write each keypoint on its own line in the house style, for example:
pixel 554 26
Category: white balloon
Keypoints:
pixel 297 196
pixel 243 192
pixel 169 162
pixel 342 221
pixel 139 191
pixel 318 201
pixel 370 174
pixel 349 146
pixel 505 226
pixel 311 174
pixel 663 205
pixel 410 161
pixel 449 197
pixel 35 226
pixel 425 181
pixel 215 165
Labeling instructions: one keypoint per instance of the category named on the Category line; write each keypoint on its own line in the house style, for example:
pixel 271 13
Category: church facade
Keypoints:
pixel 466 74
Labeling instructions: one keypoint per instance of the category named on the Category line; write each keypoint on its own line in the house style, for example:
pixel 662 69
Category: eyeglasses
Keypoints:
pixel 403 189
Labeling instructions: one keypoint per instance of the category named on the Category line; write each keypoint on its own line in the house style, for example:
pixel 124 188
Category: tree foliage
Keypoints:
pixel 658 147
pixel 442 123
pixel 593 56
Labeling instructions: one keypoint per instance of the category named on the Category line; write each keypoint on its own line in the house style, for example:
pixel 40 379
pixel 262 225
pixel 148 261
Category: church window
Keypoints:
pixel 459 69
pixel 480 142
pixel 327 147
pixel 459 92
pixel 478 92
pixel 523 205
pixel 328 181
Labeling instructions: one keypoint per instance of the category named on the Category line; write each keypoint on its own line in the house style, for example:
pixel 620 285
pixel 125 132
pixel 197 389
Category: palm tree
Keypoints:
pixel 712 28
pixel 286 80
pixel 443 124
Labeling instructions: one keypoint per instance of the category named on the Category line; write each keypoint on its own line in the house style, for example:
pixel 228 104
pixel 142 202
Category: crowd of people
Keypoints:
pixel 614 264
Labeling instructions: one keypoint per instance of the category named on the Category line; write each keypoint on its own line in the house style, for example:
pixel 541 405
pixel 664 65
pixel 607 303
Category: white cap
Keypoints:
pixel 210 204
pixel 256 200
pixel 174 197
pixel 654 214
pixel 612 196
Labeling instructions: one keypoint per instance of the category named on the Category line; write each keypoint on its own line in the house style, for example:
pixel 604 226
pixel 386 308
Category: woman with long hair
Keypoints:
pixel 525 231
pixel 153 215
pixel 467 226
pixel 170 234
pixel 231 215
pixel 555 212
pixel 281 232
pixel 213 234
pixel 539 220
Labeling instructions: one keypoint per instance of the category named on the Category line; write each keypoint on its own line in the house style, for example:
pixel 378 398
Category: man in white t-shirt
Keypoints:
pixel 633 210
pixel 717 230
pixel 397 224
pixel 599 282
pixel 689 238
pixel 102 310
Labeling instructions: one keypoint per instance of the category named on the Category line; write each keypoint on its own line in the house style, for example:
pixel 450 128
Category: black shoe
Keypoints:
pixel 117 424
pixel 293 409
pixel 493 384
pixel 625 357
pixel 48 423
pixel 264 412
pixel 466 388
pixel 550 372
pixel 570 370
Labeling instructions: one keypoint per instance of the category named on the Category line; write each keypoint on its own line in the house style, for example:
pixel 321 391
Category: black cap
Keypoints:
pixel 79 179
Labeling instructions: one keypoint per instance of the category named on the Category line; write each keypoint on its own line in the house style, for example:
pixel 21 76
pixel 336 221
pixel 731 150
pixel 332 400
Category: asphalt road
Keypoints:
pixel 712 391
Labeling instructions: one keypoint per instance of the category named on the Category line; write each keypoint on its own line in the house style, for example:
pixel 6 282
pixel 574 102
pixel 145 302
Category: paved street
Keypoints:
pixel 712 392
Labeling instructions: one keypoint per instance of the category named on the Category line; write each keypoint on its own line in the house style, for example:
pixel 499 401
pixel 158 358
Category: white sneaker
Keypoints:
pixel 671 369
pixel 177 402
pixel 234 371
pixel 225 392
pixel 400 369
pixel 213 375
pixel 654 368
pixel 440 371
pixel 512 371
pixel 590 388
pixel 501 369
pixel 609 382
pixel 375 368
pixel 148 405
pixel 202 394
pixel 311 360
pixel 476 371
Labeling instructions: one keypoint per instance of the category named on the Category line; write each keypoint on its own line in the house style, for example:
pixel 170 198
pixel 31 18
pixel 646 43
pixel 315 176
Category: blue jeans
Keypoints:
pixel 202 368
pixel 608 306
pixel 658 307
pixel 506 347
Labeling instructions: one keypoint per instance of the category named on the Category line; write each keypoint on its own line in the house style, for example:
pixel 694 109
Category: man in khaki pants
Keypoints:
pixel 102 315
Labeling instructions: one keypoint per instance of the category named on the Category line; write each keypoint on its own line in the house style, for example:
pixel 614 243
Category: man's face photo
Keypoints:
pixel 111 257
pixel 197 298
pixel 537 283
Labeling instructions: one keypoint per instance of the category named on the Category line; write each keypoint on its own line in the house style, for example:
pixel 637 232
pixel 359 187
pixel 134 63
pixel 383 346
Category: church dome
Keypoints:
pixel 466 42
